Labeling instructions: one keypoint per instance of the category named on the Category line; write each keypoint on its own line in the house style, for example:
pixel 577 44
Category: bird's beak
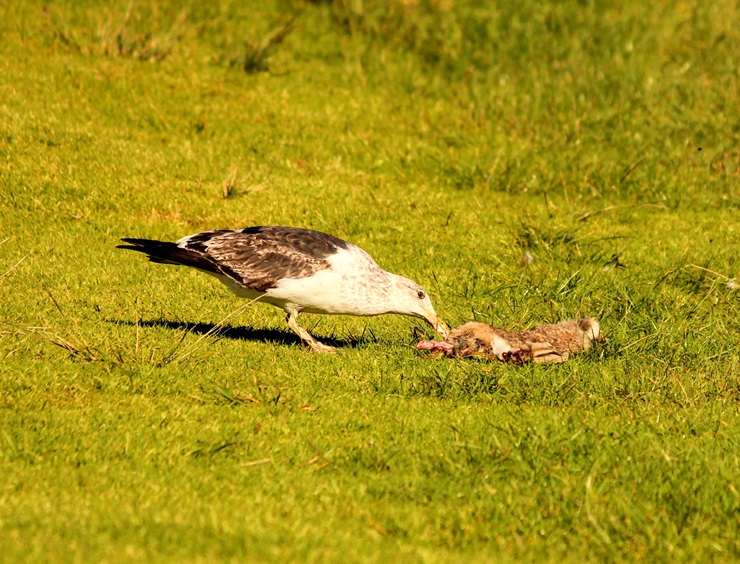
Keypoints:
pixel 439 326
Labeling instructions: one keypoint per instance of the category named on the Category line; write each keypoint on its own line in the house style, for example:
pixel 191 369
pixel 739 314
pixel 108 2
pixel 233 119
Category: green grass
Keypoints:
pixel 449 139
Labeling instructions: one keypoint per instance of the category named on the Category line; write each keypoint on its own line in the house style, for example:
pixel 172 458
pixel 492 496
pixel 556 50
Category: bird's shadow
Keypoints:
pixel 239 333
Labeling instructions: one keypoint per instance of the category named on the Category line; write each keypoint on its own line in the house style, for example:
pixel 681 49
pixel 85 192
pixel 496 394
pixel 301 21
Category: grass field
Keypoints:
pixel 450 139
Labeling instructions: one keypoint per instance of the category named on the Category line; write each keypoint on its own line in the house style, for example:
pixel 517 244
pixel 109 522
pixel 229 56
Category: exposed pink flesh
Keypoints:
pixel 433 346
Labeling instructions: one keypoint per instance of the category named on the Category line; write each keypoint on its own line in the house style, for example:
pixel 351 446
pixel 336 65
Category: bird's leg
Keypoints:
pixel 305 336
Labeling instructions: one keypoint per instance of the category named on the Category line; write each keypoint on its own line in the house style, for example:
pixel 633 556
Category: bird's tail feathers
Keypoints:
pixel 164 252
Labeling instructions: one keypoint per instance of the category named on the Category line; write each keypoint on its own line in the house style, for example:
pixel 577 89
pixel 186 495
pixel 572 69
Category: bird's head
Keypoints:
pixel 412 299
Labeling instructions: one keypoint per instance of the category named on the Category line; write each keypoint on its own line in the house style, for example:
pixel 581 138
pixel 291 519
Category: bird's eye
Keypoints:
pixel 421 295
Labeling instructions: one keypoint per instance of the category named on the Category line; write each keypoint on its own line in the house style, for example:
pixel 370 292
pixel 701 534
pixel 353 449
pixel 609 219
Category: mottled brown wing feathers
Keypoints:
pixel 255 257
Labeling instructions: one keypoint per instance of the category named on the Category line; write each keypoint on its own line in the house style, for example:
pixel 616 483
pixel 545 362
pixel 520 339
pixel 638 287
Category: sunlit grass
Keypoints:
pixel 526 163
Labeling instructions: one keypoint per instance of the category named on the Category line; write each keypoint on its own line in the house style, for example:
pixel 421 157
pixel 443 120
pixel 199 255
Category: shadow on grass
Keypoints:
pixel 240 333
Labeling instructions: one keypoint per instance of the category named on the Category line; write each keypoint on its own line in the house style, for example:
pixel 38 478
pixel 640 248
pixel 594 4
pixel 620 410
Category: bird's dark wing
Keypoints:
pixel 164 252
pixel 255 257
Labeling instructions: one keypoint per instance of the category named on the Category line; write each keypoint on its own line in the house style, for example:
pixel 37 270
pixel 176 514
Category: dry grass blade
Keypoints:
pixel 79 351
pixel 587 215
pixel 12 268
pixel 212 332
pixel 729 283
pixel 256 462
